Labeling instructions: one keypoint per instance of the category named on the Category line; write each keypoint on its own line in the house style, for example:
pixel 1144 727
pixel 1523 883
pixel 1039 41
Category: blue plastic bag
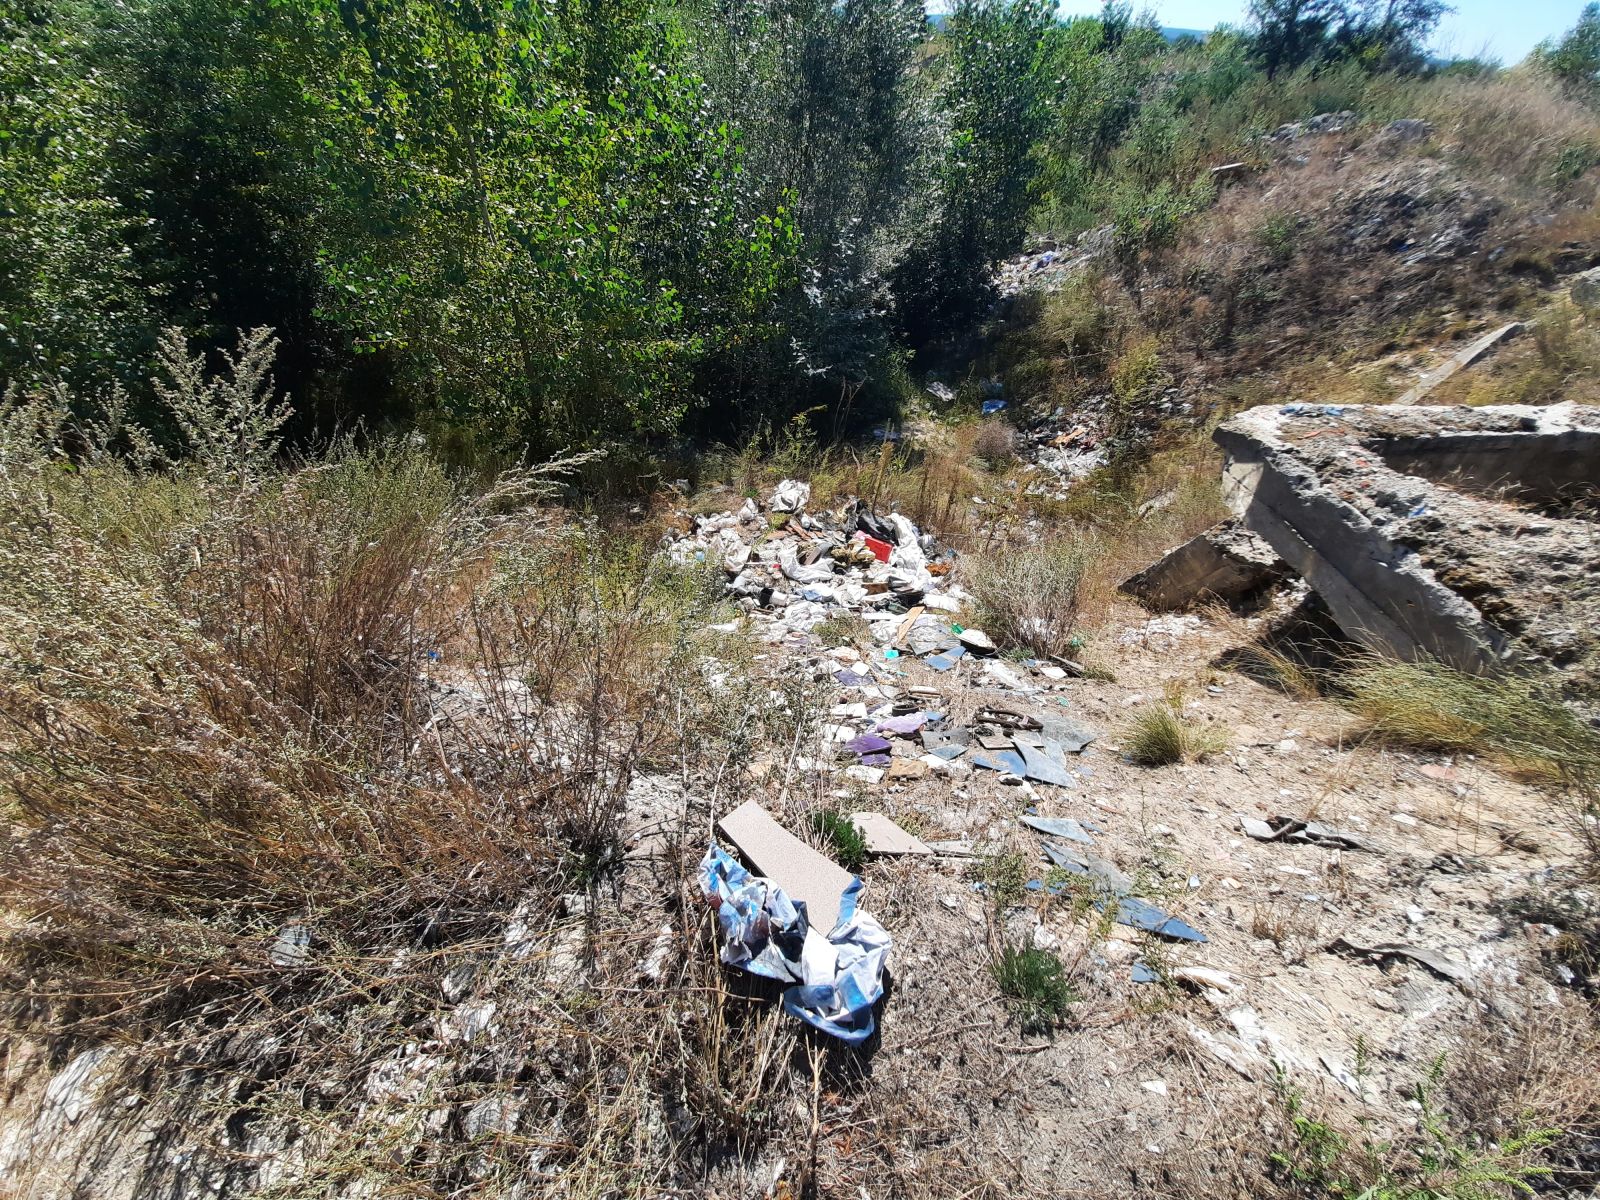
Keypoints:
pixel 838 976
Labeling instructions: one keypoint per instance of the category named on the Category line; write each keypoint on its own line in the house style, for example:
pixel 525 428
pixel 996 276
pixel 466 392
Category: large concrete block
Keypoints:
pixel 1227 563
pixel 1460 534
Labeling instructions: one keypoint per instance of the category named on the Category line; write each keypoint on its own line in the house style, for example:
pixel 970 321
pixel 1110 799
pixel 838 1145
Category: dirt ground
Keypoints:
pixel 1167 1088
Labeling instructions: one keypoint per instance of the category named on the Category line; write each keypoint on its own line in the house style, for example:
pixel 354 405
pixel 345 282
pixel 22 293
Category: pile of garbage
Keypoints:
pixel 1049 268
pixel 795 569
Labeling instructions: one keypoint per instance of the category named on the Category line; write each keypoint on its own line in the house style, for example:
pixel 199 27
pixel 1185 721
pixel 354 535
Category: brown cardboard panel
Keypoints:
pixel 794 866
pixel 885 837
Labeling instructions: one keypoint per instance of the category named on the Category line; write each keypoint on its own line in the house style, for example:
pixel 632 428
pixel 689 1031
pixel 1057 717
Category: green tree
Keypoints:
pixel 508 189
pixel 1575 59
pixel 995 94
pixel 71 301
pixel 832 123
pixel 1292 33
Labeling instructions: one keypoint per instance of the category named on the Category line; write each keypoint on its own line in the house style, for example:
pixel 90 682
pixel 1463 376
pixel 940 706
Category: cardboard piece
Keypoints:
pixel 883 836
pixel 800 871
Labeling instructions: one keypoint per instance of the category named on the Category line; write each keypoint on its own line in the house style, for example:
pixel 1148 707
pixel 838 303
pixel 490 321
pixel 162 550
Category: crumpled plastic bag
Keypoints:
pixel 790 496
pixel 838 977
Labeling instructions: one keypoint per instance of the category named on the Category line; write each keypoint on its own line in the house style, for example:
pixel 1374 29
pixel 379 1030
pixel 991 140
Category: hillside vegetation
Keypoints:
pixel 359 737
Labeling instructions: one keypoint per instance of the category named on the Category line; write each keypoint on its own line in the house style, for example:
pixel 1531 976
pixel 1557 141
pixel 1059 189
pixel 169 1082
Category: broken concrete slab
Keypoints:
pixel 805 875
pixel 1473 353
pixel 883 836
pixel 1227 563
pixel 1399 518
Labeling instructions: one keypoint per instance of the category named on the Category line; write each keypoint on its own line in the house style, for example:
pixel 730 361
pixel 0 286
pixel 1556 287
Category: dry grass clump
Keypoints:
pixel 346 695
pixel 1534 1071
pixel 1030 597
pixel 1514 123
pixel 995 443
pixel 1431 706
pixel 1558 361
pixel 1161 735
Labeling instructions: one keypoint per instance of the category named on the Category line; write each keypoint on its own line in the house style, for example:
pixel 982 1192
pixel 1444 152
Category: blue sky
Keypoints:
pixel 1508 29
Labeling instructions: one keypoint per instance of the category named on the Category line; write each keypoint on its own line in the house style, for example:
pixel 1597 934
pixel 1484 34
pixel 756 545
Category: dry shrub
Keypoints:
pixel 1533 1070
pixel 995 443
pixel 1513 123
pixel 1029 597
pixel 241 695
pixel 1556 362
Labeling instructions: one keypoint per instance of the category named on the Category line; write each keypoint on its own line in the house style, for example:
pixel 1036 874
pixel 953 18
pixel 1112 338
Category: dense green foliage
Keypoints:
pixel 570 223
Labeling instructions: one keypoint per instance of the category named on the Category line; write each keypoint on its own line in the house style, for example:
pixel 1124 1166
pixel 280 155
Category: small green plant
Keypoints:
pixel 1004 876
pixel 843 839
pixel 1161 735
pixel 1319 1161
pixel 1036 984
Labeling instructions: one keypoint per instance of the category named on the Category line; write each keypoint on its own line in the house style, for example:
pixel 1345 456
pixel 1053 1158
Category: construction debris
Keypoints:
pixel 805 876
pixel 1435 962
pixel 883 836
pixel 1226 563
pixel 1294 829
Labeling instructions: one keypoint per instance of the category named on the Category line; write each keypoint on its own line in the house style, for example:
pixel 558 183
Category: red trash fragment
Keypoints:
pixel 880 550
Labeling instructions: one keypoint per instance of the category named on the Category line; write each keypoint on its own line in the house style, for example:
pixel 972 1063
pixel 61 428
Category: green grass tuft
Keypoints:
pixel 843 839
pixel 1161 735
pixel 1036 985
pixel 1430 706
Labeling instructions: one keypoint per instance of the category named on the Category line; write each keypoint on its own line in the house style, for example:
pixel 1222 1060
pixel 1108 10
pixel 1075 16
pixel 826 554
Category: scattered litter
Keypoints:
pixel 1045 767
pixel 1007 719
pixel 1064 827
pixel 1293 829
pixel 905 726
pixel 868 744
pixel 1008 761
pixel 811 879
pixel 1206 978
pixel 292 947
pixel 1068 734
pixel 1156 1086
pixel 883 836
pixel 1143 973
pixel 977 641
pixel 839 976
pixel 1105 875
pixel 1141 914
pixel 1435 962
